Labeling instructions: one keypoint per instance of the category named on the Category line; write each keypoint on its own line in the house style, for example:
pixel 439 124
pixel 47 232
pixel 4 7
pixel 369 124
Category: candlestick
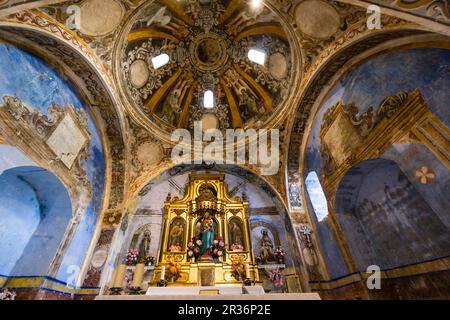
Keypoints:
pixel 120 276
pixel 247 271
pixel 138 275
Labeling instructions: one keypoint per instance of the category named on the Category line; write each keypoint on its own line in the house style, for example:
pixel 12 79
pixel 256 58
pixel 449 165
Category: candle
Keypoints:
pixel 120 276
pixel 163 271
pixel 138 275
pixel 247 271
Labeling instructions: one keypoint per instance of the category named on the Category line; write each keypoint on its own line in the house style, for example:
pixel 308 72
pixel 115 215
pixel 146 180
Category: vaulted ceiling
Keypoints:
pixel 200 47
pixel 205 47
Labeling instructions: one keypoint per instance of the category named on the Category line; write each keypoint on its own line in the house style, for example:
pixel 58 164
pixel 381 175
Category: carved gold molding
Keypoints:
pixel 435 135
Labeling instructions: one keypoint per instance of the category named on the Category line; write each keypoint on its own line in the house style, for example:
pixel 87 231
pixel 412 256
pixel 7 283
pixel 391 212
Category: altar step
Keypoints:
pixel 205 290
pixel 211 293
pixel 270 296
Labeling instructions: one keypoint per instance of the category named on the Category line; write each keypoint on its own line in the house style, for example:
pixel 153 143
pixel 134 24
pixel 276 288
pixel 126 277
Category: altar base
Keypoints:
pixel 205 290
pixel 254 297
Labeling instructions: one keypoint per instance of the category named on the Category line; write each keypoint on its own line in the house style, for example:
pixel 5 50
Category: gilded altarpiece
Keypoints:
pixel 205 219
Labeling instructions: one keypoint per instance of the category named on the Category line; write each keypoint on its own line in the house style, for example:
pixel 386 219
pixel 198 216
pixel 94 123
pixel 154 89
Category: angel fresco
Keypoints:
pixel 248 105
pixel 171 108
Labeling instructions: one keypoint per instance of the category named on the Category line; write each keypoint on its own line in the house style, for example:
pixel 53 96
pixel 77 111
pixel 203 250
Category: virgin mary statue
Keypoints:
pixel 207 231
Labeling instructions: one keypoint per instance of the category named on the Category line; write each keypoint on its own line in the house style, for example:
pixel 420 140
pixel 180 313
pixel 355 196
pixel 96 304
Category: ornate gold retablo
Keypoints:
pixel 206 236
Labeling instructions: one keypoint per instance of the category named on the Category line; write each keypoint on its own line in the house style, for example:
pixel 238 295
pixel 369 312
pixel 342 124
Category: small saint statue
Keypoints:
pixel 236 233
pixel 266 253
pixel 144 248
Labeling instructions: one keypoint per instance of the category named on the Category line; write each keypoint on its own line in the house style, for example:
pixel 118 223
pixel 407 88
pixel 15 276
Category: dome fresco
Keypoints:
pixel 176 52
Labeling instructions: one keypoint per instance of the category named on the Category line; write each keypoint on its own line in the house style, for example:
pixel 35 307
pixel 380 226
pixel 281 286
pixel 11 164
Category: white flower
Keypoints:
pixel 199 242
pixel 190 253
pixel 216 241
pixel 219 253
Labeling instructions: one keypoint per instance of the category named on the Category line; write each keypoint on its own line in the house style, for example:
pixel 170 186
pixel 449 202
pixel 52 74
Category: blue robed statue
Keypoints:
pixel 207 232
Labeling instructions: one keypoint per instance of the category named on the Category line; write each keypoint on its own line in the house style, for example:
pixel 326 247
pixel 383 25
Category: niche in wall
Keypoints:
pixel 35 210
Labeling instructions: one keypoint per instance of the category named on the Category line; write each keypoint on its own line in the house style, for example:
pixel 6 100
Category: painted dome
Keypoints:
pixel 224 63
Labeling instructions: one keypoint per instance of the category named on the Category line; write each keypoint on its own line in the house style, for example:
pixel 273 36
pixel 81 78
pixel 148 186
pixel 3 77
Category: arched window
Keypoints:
pixel 316 195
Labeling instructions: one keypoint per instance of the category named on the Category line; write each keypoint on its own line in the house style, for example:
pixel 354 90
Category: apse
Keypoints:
pixel 265 214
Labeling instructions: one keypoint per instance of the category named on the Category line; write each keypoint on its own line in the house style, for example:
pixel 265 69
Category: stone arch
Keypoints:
pixel 328 65
pixel 62 49
pixel 245 173
pixel 40 204
pixel 325 71
pixel 270 227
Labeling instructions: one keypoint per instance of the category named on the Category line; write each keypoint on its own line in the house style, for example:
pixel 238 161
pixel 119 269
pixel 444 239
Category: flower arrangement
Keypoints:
pixel 5 294
pixel 193 248
pixel 238 270
pixel 150 261
pixel 218 248
pixel 236 247
pixel 128 279
pixel 174 271
pixel 175 248
pixel 132 257
pixel 277 278
pixel 279 255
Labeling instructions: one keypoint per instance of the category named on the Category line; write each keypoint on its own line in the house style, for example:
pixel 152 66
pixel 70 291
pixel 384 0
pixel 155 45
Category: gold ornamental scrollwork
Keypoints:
pixel 204 222
pixel 175 257
pixel 238 257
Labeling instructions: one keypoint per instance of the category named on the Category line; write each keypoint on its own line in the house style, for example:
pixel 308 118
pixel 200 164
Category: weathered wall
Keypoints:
pixel 38 85
pixel 369 83
pixel 16 230
pixel 385 219
pixel 316 203
pixel 388 216
pixel 55 211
